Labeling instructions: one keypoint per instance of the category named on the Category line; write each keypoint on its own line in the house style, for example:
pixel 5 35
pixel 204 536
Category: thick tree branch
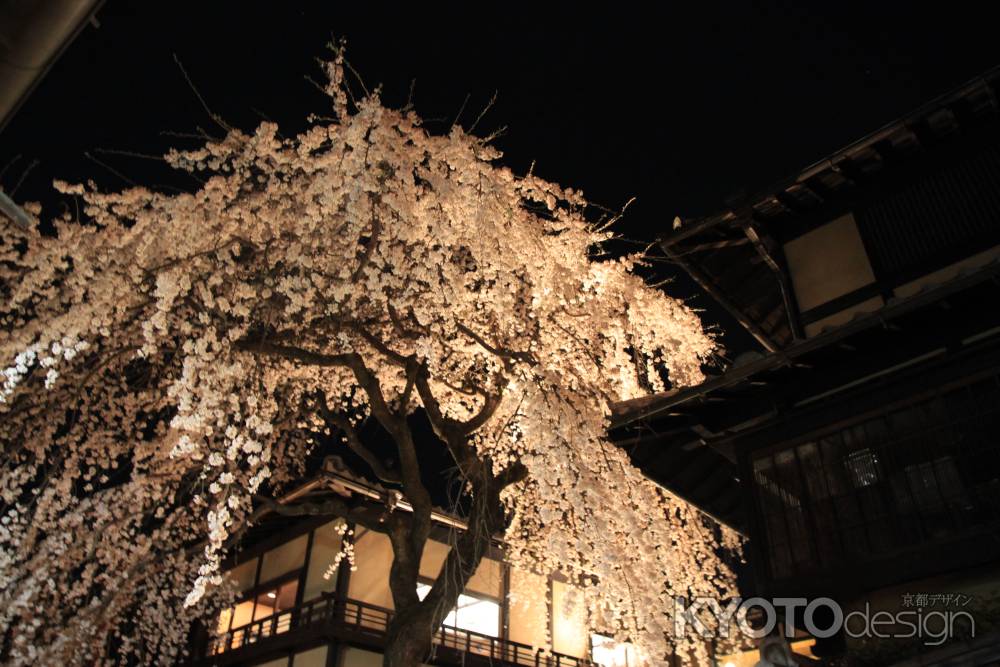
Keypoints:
pixel 395 424
pixel 354 441
pixel 370 246
pixel 379 345
pixel 401 328
pixel 449 430
pixel 486 519
pixel 490 404
pixel 506 356
pixel 352 360
pixel 514 473
pixel 439 422
pixel 295 353
pixel 412 368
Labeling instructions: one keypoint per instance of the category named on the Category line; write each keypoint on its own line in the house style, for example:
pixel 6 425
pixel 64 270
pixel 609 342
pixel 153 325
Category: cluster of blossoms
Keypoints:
pixel 64 349
pixel 346 552
pixel 150 393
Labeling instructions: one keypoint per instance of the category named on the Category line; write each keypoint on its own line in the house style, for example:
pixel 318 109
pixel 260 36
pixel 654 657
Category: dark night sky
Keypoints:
pixel 681 107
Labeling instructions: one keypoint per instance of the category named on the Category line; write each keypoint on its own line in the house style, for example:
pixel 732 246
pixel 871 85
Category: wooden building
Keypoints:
pixel 296 607
pixel 859 447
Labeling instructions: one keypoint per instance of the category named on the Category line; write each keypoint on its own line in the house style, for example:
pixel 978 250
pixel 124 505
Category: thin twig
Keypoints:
pixel 461 109
pixel 361 82
pixel 483 112
pixel 409 97
pixel 214 116
pixel 141 156
pixel 24 175
pixel 9 164
pixel 615 218
pixel 110 168
pixel 182 135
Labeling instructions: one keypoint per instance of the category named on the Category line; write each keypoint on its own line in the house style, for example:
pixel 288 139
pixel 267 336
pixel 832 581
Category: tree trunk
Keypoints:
pixel 409 635
pixel 411 630
pixel 408 640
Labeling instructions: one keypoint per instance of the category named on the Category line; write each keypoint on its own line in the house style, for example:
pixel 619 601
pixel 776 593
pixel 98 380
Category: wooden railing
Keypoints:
pixel 360 618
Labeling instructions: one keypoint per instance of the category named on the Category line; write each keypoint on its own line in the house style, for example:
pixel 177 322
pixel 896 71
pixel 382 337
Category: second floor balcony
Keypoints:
pixel 354 623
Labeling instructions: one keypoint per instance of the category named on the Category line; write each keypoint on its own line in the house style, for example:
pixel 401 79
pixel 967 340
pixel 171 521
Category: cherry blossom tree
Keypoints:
pixel 172 360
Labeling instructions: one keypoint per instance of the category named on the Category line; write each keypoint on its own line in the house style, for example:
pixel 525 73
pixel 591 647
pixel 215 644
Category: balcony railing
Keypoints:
pixel 352 618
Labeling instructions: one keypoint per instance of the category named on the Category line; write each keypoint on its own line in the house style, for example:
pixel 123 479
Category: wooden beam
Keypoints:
pixel 789 202
pixel 693 229
pixel 709 286
pixel 886 151
pixel 791 355
pixel 713 245
pixel 850 170
pixel 818 188
pixel 964 116
pixel 923 134
pixel 991 92
pixel 784 284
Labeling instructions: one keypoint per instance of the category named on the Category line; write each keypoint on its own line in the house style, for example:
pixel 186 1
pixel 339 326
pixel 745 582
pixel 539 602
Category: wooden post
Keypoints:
pixel 709 286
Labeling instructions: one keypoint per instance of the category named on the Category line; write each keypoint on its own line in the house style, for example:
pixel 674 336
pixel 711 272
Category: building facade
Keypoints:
pixel 299 604
pixel 859 446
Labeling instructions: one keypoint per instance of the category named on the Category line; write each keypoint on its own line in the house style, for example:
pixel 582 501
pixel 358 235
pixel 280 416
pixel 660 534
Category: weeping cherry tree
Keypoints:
pixel 170 359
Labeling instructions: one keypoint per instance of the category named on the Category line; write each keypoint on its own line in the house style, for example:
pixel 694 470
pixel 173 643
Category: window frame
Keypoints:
pixel 257 590
pixel 948 441
pixel 500 602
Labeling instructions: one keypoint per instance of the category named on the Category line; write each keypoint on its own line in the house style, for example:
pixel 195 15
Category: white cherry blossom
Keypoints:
pixel 163 362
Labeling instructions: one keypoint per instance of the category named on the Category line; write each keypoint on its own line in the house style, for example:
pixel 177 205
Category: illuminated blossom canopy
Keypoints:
pixel 170 359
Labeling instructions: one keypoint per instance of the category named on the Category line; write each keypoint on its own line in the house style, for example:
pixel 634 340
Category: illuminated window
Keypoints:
pixel 283 559
pixel 264 605
pixel 236 617
pixel 325 547
pixel 528 608
pixel 370 582
pixel 863 467
pixel 243 576
pixel 607 652
pixel 275 601
pixel 569 620
pixel 472 613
